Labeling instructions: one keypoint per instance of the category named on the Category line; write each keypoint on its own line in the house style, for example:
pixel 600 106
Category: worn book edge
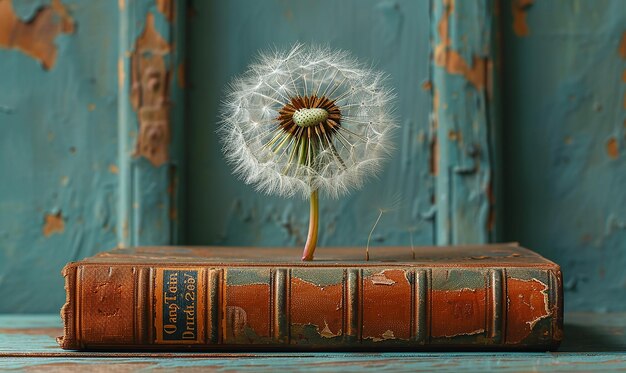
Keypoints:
pixel 143 333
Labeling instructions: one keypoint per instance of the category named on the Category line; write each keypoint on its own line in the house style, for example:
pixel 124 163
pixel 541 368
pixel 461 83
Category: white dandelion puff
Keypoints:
pixel 306 120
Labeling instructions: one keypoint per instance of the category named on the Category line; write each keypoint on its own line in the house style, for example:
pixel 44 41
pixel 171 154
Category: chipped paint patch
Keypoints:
pixel 382 314
pixel 622 46
pixel 166 7
pixel 527 304
pixel 388 334
pixel 327 333
pixel 451 60
pixel 326 299
pixel 519 8
pixel 380 279
pixel 612 148
pixel 53 223
pixel 35 37
pixel 121 75
pixel 149 94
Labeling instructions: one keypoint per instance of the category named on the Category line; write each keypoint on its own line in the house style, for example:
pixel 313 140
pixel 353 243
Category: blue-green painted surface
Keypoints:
pixel 68 180
pixel 68 134
pixel 59 139
pixel 593 342
pixel 565 187
pixel 225 37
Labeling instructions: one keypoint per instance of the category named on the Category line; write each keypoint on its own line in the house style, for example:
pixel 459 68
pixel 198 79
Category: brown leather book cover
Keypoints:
pixel 498 296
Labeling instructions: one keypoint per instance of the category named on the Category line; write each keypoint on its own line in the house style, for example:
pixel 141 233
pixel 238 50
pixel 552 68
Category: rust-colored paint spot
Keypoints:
pixel 121 4
pixel 121 75
pixel 383 316
pixel 166 7
pixel 149 94
pixel 451 60
pixel 35 38
pixel 53 223
pixel 427 85
pixel 455 64
pixel 114 169
pixel 454 135
pixel 622 46
pixel 612 148
pixel 461 312
pixel 249 308
pixel 91 107
pixel 527 303
pixel 326 300
pixel 519 8
pixel 181 76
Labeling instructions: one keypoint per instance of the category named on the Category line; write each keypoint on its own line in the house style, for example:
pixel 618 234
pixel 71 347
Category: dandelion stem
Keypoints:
pixel 311 240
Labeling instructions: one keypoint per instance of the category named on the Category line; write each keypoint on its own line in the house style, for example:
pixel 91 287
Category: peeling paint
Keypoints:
pixel 385 316
pixel 525 307
pixel 53 223
pixel 328 299
pixel 166 7
pixel 612 148
pixel 150 92
pixel 451 60
pixel 121 75
pixel 35 37
pixel 519 8
pixel 381 279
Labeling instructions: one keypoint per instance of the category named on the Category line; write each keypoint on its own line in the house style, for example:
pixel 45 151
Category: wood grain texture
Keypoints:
pixel 594 342
pixel 465 120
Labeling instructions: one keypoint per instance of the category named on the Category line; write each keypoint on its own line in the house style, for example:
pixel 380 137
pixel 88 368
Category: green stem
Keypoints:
pixel 311 240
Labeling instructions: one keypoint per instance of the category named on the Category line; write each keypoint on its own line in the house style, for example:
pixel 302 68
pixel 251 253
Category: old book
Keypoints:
pixel 497 296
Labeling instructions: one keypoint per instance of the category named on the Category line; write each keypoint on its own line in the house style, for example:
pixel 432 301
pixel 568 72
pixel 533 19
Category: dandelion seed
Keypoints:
pixel 290 127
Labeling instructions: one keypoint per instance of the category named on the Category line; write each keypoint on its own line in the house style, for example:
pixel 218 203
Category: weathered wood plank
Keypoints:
pixel 593 342
pixel 150 114
pixel 465 119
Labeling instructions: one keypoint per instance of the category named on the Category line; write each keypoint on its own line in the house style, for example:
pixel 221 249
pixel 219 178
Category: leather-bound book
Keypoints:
pixel 486 297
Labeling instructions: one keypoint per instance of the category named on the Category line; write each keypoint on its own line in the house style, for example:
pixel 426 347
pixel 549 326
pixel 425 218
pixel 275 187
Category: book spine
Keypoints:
pixel 172 306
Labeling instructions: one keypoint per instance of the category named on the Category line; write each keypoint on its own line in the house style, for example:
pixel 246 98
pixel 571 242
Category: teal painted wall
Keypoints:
pixel 57 151
pixel 565 146
pixel 224 38
pixel 72 183
pixel 69 133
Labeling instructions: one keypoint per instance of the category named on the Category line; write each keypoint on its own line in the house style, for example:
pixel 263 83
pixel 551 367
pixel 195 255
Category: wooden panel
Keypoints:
pixel 565 142
pixel 465 120
pixel 80 174
pixel 224 38
pixel 595 342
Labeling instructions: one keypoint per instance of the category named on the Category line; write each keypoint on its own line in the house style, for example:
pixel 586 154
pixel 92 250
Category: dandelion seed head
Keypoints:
pixel 308 118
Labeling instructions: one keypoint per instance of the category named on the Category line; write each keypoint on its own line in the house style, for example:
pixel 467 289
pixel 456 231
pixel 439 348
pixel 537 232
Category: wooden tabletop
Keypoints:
pixel 593 342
